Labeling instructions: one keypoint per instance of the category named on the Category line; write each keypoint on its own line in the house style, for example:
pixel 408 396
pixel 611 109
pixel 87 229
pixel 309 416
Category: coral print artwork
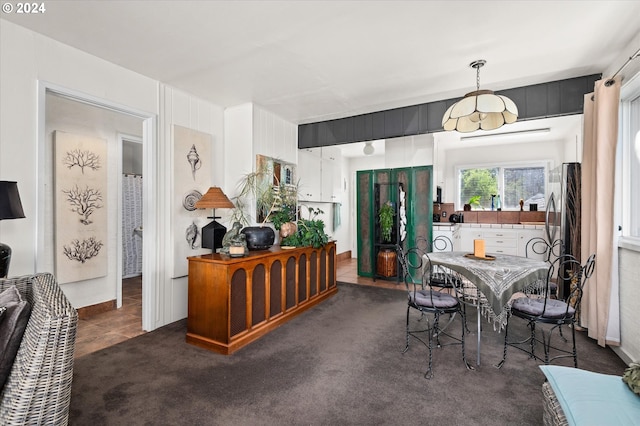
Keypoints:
pixel 80 193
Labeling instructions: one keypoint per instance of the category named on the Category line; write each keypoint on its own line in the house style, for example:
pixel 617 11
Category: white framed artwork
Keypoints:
pixel 192 178
pixel 80 185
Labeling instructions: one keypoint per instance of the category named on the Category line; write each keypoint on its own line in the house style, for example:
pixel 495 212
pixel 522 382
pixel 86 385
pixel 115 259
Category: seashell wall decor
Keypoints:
pixel 194 160
pixel 191 199
pixel 191 235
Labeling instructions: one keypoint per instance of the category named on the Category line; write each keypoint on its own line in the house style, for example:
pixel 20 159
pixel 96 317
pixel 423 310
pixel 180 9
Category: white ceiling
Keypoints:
pixel 313 60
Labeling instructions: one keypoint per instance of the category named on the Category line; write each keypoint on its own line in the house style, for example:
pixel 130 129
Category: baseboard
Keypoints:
pixel 622 354
pixel 89 311
pixel 344 256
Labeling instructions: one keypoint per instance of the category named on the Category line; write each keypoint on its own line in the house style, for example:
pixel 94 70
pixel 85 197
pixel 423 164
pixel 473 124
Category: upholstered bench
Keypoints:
pixel 579 397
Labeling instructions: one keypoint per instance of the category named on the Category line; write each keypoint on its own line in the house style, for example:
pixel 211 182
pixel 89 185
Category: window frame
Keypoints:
pixel 546 164
pixel 628 93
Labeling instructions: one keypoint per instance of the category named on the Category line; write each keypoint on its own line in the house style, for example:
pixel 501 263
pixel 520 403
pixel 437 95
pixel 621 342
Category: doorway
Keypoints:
pixel 66 110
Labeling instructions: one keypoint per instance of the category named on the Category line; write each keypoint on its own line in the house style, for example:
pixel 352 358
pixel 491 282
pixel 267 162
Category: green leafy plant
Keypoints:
pixel 272 198
pixel 475 201
pixel 386 215
pixel 284 214
pixel 310 232
pixel 631 377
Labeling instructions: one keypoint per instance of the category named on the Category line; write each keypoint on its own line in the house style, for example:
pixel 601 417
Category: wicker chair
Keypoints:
pixel 38 389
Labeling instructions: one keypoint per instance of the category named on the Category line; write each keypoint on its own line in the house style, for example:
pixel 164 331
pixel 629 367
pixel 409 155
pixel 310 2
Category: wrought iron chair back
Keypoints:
pixel 428 300
pixel 442 243
pixel 550 252
pixel 542 309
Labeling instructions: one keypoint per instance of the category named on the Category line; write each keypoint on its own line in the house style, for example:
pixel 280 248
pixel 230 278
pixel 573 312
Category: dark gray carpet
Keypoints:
pixel 338 363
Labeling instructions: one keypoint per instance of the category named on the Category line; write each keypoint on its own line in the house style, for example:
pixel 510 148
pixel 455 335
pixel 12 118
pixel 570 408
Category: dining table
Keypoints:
pixel 497 277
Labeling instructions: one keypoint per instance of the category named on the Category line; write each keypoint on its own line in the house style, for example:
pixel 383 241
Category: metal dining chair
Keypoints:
pixel 430 301
pixel 549 251
pixel 550 314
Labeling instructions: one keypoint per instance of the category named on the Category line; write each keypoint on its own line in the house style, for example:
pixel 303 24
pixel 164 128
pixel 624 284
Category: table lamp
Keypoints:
pixel 213 233
pixel 10 208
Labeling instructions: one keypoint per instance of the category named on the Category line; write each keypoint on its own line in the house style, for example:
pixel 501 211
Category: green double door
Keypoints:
pixel 376 187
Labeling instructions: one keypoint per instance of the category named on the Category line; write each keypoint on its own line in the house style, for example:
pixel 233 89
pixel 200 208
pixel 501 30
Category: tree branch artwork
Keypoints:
pixel 81 159
pixel 84 201
pixel 81 206
pixel 84 250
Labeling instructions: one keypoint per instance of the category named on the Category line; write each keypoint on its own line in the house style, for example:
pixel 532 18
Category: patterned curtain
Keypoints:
pixel 131 226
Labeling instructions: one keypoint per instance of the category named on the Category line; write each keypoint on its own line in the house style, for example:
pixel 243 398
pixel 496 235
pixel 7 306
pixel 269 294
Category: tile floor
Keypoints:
pixel 107 329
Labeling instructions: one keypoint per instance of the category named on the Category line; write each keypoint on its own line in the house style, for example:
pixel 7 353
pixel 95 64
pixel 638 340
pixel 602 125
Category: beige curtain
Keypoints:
pixel 598 187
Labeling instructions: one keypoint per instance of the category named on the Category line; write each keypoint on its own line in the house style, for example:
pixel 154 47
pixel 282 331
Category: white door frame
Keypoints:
pixel 150 256
pixel 122 137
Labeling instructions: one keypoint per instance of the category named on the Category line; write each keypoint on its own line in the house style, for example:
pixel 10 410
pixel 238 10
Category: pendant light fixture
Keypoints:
pixel 368 148
pixel 480 110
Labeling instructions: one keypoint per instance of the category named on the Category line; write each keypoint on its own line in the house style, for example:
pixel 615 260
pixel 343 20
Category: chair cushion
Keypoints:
pixel 589 398
pixel 434 299
pixel 555 309
pixel 12 326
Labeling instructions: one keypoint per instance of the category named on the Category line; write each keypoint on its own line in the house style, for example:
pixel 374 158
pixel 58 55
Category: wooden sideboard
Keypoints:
pixel 234 301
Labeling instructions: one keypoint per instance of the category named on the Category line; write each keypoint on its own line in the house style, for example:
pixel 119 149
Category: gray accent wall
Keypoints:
pixel 552 99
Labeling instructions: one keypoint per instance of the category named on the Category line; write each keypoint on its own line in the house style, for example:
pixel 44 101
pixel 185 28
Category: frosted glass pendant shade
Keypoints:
pixel 368 148
pixel 479 110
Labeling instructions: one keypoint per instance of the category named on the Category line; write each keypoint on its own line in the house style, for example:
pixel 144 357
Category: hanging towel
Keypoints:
pixel 336 216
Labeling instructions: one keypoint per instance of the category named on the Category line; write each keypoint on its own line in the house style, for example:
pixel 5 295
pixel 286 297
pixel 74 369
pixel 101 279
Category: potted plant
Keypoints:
pixel 473 201
pixel 284 220
pixel 273 199
pixel 386 215
pixel 310 232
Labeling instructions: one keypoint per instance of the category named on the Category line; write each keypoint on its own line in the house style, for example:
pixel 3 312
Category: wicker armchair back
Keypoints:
pixel 38 390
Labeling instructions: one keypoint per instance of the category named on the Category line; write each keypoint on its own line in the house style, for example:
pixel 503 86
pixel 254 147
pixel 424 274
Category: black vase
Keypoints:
pixel 259 237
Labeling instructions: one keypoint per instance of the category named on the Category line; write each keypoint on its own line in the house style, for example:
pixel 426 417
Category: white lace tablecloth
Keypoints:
pixel 496 279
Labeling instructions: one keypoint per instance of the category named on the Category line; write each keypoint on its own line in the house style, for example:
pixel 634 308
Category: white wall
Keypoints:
pixel 629 268
pixel 27 57
pixel 409 151
pixel 183 109
pixel 251 130
pixel 629 260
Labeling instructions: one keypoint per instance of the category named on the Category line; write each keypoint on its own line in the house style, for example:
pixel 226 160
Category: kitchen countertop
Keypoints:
pixel 529 225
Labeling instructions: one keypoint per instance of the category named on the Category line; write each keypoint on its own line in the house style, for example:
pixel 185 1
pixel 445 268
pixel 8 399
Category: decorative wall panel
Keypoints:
pixel 192 178
pixel 80 174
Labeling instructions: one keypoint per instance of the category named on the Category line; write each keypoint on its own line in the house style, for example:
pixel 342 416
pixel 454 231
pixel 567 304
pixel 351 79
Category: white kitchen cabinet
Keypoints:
pixel 310 173
pixel 497 240
pixel 331 172
pixel 463 238
pixel 524 236
pixel 446 241
pixel 319 170
pixel 502 241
